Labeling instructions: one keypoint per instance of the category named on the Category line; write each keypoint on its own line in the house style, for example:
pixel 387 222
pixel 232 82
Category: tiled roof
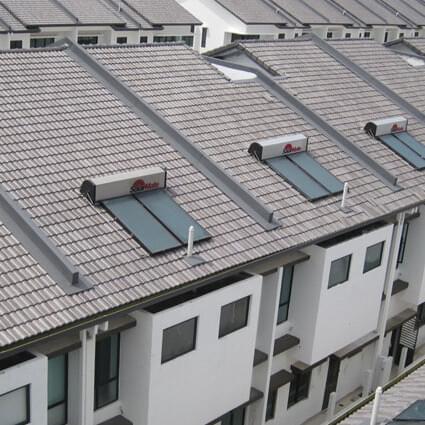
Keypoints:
pixel 301 11
pixel 161 12
pixel 393 401
pixel 92 12
pixel 253 11
pixel 414 10
pixel 38 12
pixel 9 22
pixel 59 125
pixel 418 44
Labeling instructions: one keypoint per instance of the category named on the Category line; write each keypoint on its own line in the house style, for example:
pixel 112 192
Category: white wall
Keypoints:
pixel 34 373
pixel 318 309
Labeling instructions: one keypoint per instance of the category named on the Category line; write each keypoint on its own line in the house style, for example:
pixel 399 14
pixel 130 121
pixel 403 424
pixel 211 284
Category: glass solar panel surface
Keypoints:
pixel 415 413
pixel 398 146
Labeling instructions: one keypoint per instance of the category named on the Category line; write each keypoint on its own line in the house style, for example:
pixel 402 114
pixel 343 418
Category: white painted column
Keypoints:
pixel 389 281
pixel 87 365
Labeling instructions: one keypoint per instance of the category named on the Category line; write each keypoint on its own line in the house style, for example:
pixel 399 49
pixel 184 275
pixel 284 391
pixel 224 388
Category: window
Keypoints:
pixel 401 35
pixel 299 388
pixel 41 42
pixel 306 175
pixel 403 241
pixel 367 34
pixel 386 37
pixel 271 404
pixel 237 37
pixel 106 371
pixel 192 28
pixel 164 39
pixel 58 390
pixel 348 35
pixel 285 294
pixel 407 147
pixel 188 39
pixel 420 315
pixel 373 257
pixel 282 36
pixel 143 39
pixel 416 33
pixel 155 220
pixel 234 316
pixel 16 44
pixel 329 34
pixel 15 407
pixel 340 270
pixel 204 37
pixel 86 40
pixel 296 35
pixel 179 339
pixel 121 40
pixel 235 417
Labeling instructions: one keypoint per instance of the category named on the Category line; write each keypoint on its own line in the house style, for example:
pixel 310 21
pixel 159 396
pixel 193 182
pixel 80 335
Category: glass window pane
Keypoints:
pixel 238 416
pixel 13 407
pixel 282 313
pixel 285 291
pixel 271 402
pixel 113 368
pixel 57 415
pixel 340 270
pixel 107 394
pixel 56 380
pixel 178 340
pixel 234 316
pixel 373 257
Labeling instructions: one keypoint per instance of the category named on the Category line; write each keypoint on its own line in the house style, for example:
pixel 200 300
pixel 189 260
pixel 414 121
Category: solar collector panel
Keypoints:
pixel 412 143
pixel 142 224
pixel 163 207
pixel 403 150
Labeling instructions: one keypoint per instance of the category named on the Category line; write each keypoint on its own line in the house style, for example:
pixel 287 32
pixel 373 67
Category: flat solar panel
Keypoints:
pixel 403 150
pixel 163 207
pixel 415 413
pixel 412 143
pixel 320 174
pixel 142 224
pixel 298 177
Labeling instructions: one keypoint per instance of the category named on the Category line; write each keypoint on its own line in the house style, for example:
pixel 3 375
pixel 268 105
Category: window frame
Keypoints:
pixel 403 243
pixel 290 268
pixel 221 333
pixel 193 345
pixel 35 40
pixel 271 404
pixel 116 378
pixel 420 316
pixel 65 401
pixel 366 34
pixel 13 42
pixel 329 35
pixel 143 39
pixel 347 35
pixel 27 400
pixel 347 274
pixel 121 40
pixel 80 37
pixel 365 269
pixel 297 394
pixel 204 36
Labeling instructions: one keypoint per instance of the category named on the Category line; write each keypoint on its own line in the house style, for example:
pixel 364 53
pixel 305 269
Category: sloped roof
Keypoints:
pixel 60 125
pixel 413 10
pixel 253 11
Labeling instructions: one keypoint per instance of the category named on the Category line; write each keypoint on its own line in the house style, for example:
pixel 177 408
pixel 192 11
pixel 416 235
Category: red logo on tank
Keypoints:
pixel 140 185
pixel 396 128
pixel 291 149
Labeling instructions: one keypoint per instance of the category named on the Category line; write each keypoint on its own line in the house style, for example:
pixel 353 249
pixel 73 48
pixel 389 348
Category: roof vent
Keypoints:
pixel 386 126
pixel 114 186
pixel 279 146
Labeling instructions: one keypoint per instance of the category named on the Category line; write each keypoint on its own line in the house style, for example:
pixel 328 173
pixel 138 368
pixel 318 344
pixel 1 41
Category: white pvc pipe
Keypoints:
pixel 190 241
pixel 344 195
pixel 375 408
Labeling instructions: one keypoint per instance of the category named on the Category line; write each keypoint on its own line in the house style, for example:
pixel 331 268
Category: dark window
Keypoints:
pixel 401 35
pixel 386 37
pixel 416 33
pixel 16 44
pixel 121 40
pixel 143 39
pixel 340 270
pixel 348 35
pixel 107 370
pixel 58 390
pixel 164 39
pixel 192 29
pixel 41 42
pixel 299 387
pixel 188 39
pixel 296 35
pixel 367 34
pixel 86 40
pixel 204 37
pixel 234 316
pixel 420 315
pixel 282 36
pixel 178 339
pixel 235 417
pixel 373 257
pixel 271 405
pixel 15 406
pixel 285 294
pixel 403 241
pixel 236 37
pixel 329 34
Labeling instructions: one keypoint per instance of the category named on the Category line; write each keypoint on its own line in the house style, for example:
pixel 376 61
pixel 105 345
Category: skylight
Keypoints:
pixel 392 132
pixel 140 202
pixel 287 156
